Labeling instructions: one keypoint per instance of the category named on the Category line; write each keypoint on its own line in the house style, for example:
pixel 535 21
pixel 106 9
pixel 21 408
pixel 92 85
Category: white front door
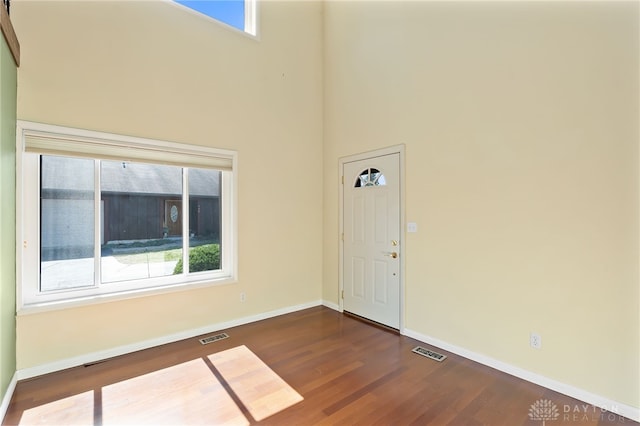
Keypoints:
pixel 371 263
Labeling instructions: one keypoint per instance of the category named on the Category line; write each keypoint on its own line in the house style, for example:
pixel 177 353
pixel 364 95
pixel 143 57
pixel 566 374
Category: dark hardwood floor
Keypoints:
pixel 348 372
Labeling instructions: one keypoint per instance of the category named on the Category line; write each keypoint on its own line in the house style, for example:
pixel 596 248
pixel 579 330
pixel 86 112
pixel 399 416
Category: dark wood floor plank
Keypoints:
pixel 348 372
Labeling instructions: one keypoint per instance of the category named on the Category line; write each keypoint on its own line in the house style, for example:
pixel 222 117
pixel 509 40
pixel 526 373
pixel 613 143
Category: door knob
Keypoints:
pixel 392 254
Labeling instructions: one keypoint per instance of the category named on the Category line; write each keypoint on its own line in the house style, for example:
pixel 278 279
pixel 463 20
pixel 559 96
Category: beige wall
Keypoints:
pixel 150 69
pixel 521 128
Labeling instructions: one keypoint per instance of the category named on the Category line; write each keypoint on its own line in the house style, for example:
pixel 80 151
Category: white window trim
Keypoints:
pixel 251 17
pixel 27 234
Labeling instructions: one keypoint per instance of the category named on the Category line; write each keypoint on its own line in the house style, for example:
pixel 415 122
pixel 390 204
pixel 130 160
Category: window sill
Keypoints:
pixel 35 308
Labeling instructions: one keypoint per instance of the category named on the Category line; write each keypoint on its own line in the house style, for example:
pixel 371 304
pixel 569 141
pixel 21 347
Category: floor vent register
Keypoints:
pixel 429 354
pixel 211 339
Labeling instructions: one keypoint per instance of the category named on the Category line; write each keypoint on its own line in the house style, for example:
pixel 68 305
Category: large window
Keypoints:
pixel 107 216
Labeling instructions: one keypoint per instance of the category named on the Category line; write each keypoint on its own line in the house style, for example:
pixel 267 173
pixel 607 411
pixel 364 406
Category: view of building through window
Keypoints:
pixel 67 246
pixel 141 219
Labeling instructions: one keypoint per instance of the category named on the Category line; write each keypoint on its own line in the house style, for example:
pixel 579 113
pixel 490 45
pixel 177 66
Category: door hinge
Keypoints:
pixel 343 180
pixel 342 294
pixel 342 236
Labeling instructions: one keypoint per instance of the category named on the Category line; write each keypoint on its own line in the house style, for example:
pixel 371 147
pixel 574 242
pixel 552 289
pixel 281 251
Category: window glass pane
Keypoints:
pixel 230 12
pixel 141 220
pixel 66 223
pixel 204 220
pixel 370 177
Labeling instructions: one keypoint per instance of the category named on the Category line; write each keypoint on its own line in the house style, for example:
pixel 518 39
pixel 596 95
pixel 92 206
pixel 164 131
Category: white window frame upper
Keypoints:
pixel 34 139
pixel 251 17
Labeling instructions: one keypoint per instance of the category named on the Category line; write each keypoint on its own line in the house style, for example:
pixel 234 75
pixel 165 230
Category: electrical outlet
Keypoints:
pixel 535 340
pixel 243 297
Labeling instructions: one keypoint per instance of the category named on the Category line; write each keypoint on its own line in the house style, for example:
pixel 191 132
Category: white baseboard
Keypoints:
pixel 572 391
pixel 331 305
pixel 7 396
pixel 121 350
pixel 563 388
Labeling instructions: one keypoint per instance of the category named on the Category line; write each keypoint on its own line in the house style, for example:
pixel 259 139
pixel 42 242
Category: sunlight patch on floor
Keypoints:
pixel 186 394
pixel 74 410
pixel 259 388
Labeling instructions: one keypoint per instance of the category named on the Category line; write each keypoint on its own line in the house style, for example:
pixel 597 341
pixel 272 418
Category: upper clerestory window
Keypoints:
pixel 240 14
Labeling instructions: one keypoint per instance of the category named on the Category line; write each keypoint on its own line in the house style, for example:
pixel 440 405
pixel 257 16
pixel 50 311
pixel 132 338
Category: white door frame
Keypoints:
pixel 395 149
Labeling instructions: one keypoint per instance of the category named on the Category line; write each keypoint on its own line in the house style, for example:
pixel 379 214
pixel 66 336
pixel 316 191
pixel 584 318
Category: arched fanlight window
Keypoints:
pixel 370 177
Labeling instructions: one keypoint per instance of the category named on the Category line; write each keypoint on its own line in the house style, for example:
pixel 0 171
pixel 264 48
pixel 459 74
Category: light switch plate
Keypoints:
pixel 412 227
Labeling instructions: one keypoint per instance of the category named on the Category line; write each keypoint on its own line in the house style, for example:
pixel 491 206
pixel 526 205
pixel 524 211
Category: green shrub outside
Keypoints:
pixel 202 258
